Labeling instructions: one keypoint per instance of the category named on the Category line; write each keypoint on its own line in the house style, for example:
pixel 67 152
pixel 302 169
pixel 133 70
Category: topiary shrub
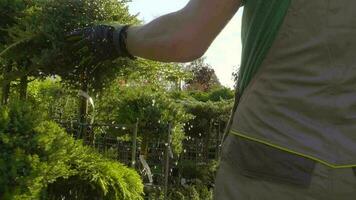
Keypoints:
pixel 154 109
pixel 39 160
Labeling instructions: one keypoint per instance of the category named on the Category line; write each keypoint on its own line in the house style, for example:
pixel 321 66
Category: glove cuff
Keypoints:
pixel 119 39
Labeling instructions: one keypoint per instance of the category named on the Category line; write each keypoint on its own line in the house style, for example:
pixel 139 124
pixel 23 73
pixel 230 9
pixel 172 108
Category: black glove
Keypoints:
pixel 104 42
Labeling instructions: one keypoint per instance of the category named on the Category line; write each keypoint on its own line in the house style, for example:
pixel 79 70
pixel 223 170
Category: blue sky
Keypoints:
pixel 225 52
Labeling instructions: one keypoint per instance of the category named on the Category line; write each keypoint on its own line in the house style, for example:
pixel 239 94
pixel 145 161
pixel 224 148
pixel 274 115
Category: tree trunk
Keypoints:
pixel 144 147
pixel 207 140
pixel 6 87
pixel 5 94
pixel 24 81
pixel 218 139
pixel 23 88
pixel 83 109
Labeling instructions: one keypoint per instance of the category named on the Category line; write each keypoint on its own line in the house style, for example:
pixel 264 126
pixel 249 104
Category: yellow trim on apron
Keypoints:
pixel 293 152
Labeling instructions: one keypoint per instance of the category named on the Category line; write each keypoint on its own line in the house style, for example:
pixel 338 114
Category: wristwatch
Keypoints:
pixel 119 39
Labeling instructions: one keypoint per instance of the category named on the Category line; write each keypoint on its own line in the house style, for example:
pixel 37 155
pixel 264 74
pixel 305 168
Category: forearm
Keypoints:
pixel 162 39
pixel 181 36
pixel 184 35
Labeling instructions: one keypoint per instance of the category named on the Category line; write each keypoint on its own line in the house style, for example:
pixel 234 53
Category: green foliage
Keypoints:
pixel 37 37
pixel 60 17
pixel 206 113
pixel 45 91
pixel 17 35
pixel 10 10
pixel 153 108
pixel 178 135
pixel 176 195
pixel 201 177
pixel 204 192
pixel 38 160
pixel 217 94
pixel 220 94
pixel 193 193
pixel 167 76
pixel 53 97
pixel 204 172
pixel 154 193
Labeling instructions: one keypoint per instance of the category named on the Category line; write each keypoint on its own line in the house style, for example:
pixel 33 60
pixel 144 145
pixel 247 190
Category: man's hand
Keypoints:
pixel 103 42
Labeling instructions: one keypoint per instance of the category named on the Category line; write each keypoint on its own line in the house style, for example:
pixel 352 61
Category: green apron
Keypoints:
pixel 292 134
pixel 296 87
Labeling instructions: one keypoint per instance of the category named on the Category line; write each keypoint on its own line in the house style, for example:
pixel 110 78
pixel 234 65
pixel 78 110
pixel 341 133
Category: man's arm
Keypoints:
pixel 184 35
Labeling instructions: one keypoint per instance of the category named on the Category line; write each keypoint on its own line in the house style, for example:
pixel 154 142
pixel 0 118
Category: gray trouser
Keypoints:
pixel 239 178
